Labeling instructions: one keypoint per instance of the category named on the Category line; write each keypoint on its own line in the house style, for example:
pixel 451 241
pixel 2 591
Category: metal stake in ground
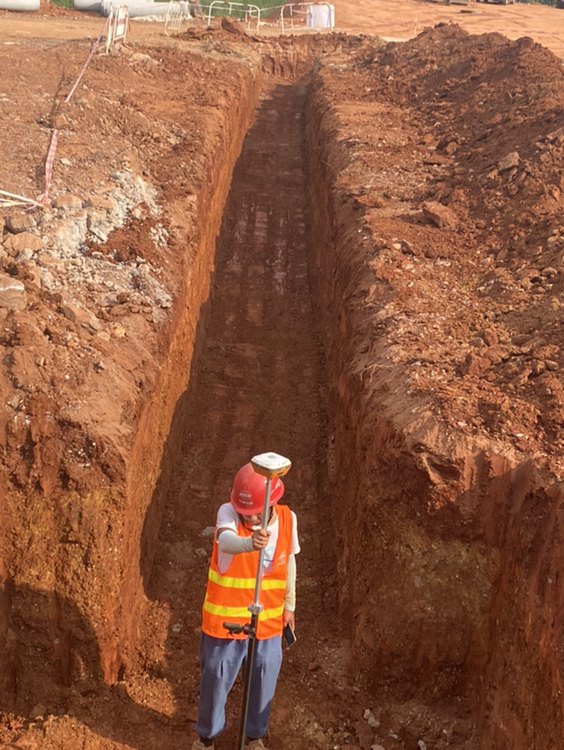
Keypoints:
pixel 269 465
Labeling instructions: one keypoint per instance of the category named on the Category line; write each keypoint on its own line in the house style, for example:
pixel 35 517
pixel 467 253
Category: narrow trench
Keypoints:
pixel 437 608
pixel 256 385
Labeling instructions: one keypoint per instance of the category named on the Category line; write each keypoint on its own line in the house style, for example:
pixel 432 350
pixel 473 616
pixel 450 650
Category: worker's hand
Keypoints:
pixel 260 538
pixel 289 617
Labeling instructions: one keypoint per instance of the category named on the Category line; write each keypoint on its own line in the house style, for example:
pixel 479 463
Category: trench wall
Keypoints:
pixel 75 564
pixel 156 426
pixel 73 595
pixel 449 552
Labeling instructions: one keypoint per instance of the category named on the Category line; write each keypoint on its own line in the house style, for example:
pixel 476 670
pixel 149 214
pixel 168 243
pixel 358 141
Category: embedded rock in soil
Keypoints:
pixel 12 293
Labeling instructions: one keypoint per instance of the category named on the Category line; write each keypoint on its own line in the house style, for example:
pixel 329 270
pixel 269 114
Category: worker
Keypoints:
pixel 238 538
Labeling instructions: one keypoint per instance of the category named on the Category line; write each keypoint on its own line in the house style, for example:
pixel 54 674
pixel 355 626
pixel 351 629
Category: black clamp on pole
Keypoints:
pixel 235 629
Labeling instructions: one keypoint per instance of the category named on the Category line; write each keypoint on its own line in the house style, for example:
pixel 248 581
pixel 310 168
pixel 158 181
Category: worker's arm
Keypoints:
pixel 233 544
pixel 290 593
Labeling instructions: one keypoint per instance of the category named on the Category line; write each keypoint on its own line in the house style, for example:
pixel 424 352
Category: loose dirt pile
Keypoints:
pixel 441 270
pixel 465 201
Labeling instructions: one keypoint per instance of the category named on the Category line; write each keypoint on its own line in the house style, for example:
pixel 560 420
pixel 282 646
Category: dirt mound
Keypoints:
pixel 47 8
pixel 440 267
pixel 484 114
pixel 233 27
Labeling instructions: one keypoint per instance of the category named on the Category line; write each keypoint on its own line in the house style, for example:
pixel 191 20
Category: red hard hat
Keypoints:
pixel 247 495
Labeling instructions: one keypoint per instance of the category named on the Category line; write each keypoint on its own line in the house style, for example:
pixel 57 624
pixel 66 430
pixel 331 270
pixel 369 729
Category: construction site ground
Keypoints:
pixel 346 247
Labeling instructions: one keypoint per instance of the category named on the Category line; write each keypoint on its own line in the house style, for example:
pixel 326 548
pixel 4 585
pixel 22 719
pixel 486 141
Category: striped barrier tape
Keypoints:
pixel 50 160
pixel 87 63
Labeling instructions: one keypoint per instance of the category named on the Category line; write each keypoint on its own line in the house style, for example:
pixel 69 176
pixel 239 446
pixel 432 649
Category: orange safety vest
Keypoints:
pixel 229 594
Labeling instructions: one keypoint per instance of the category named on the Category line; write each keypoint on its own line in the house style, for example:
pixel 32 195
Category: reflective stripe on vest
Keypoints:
pixel 228 595
pixel 244 583
pixel 216 609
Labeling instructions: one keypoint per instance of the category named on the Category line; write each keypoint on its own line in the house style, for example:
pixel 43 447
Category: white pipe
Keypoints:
pixel 23 5
pixel 140 9
pixel 95 6
pixel 136 8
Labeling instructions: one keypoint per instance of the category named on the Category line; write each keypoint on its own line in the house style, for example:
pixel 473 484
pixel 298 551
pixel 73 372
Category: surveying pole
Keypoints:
pixel 269 465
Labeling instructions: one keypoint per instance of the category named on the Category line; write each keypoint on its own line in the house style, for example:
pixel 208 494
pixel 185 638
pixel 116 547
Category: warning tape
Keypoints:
pixel 11 199
pixel 87 63
pixel 50 160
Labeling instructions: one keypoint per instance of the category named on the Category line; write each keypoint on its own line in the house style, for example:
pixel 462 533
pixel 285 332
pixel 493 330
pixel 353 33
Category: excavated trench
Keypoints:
pixel 256 384
pixel 412 621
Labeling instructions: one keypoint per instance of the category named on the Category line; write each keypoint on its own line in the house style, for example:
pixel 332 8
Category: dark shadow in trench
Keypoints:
pixel 51 665
pixel 49 653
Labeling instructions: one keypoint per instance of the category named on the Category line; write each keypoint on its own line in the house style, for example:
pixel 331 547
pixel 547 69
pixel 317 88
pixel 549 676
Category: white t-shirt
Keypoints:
pixel 227 518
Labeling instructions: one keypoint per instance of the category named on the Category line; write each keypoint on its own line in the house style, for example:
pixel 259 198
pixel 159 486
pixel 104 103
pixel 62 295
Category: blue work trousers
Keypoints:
pixel 220 662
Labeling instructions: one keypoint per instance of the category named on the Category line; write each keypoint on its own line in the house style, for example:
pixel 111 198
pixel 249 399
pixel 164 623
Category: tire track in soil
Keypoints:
pixel 256 386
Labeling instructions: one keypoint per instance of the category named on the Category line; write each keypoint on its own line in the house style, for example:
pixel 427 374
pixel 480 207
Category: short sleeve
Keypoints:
pixel 295 547
pixel 227 518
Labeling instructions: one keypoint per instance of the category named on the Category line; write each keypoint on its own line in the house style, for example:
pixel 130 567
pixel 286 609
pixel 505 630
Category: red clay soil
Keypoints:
pixel 382 305
pixel 444 248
